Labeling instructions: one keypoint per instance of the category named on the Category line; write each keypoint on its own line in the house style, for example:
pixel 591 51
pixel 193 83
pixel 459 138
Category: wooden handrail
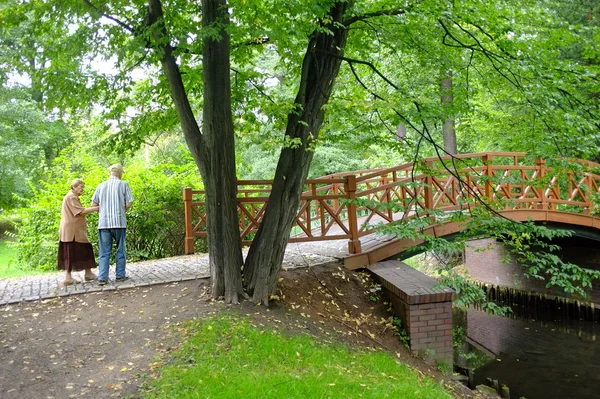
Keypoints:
pixel 329 209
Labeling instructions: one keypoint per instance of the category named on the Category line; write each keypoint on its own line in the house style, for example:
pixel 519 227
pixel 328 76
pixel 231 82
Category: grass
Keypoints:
pixel 228 357
pixel 9 267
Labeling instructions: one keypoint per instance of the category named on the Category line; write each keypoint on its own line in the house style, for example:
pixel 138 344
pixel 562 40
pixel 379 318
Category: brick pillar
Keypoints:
pixel 429 326
pixel 425 311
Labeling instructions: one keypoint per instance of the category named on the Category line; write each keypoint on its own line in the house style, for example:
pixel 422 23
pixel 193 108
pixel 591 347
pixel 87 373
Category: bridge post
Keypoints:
pixel 335 191
pixel 354 243
pixel 387 199
pixel 489 172
pixel 189 233
pixel 541 166
pixel 428 193
pixel 589 181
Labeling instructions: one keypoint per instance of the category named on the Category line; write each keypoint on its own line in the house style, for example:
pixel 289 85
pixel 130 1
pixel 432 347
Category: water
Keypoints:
pixel 537 359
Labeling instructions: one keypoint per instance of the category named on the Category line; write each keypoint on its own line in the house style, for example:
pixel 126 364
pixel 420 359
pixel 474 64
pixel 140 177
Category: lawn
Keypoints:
pixel 9 267
pixel 229 357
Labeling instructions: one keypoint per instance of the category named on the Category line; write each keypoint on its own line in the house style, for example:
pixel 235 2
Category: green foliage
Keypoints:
pixel 522 85
pixel 155 221
pixel 469 356
pixel 530 245
pixel 38 231
pixel 444 367
pixel 401 333
pixel 549 99
pixel 525 77
pixel 7 224
pixel 259 162
pixel 28 143
pixel 473 357
pixel 278 366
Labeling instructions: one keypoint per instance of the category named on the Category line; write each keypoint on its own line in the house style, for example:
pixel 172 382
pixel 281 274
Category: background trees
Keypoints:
pixel 29 142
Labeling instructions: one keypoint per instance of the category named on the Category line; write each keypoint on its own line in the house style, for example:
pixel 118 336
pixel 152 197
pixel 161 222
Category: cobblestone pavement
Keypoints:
pixel 158 271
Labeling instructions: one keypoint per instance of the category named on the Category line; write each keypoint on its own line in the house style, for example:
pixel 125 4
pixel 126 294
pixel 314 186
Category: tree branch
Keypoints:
pixel 260 90
pixel 492 57
pixel 375 14
pixel 105 15
pixel 354 61
pixel 254 42
pixel 425 135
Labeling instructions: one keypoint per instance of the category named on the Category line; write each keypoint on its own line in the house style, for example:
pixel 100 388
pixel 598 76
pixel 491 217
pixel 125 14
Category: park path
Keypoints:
pixel 157 271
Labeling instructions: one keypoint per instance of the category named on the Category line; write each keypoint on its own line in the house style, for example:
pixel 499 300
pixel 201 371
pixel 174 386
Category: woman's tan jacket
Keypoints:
pixel 73 225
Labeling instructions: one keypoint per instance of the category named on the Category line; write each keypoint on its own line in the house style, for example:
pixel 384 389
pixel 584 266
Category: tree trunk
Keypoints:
pixel 220 180
pixel 319 71
pixel 213 151
pixel 448 131
pixel 36 86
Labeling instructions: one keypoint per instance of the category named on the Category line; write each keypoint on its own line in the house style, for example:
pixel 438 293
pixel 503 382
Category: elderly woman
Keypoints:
pixel 75 253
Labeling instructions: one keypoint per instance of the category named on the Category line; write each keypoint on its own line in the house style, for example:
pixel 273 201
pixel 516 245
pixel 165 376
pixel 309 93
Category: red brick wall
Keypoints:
pixel 424 308
pixel 496 332
pixel 429 326
pixel 484 262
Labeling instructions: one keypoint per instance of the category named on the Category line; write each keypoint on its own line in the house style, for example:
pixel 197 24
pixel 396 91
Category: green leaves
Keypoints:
pixel 28 143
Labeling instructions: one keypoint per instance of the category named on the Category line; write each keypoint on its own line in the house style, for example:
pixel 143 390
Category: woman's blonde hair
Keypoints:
pixel 76 182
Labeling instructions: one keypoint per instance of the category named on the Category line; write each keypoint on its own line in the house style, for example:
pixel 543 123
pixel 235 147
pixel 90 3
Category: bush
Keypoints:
pixel 38 231
pixel 8 224
pixel 155 221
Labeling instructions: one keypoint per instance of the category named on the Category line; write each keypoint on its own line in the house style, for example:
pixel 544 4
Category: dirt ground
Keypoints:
pixel 104 345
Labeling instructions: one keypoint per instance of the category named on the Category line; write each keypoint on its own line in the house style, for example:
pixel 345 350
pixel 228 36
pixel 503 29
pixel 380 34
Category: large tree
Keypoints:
pixel 213 148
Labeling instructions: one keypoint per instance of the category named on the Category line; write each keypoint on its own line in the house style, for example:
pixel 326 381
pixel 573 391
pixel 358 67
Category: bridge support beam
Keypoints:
pixel 354 242
pixel 425 311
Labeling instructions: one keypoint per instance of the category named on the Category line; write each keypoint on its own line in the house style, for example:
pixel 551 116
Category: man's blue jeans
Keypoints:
pixel 105 242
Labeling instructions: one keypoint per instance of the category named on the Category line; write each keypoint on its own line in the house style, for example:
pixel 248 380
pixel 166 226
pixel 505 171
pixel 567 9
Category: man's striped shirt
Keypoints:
pixel 112 195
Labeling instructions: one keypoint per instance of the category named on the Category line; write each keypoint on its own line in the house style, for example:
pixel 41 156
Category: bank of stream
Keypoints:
pixel 547 348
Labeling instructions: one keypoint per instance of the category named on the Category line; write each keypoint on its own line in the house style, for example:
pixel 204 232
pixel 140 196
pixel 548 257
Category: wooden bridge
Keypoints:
pixel 349 206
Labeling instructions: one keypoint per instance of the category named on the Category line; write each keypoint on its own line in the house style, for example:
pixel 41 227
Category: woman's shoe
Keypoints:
pixel 70 282
pixel 91 277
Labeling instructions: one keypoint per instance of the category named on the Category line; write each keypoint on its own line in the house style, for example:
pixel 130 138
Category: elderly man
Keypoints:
pixel 114 198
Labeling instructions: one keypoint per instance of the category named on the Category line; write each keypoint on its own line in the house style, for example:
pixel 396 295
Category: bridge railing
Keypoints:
pixel 350 205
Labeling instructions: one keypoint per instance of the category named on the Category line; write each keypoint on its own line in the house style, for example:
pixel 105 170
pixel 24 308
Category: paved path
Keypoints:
pixel 159 271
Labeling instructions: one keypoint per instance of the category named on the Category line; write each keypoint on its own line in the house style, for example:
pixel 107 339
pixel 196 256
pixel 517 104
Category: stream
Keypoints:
pixel 536 359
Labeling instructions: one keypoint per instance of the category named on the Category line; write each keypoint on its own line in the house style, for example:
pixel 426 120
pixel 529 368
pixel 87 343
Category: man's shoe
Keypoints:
pixel 102 282
pixel 122 278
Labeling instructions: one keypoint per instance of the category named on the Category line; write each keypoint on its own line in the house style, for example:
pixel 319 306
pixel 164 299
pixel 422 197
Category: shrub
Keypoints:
pixel 8 223
pixel 155 221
